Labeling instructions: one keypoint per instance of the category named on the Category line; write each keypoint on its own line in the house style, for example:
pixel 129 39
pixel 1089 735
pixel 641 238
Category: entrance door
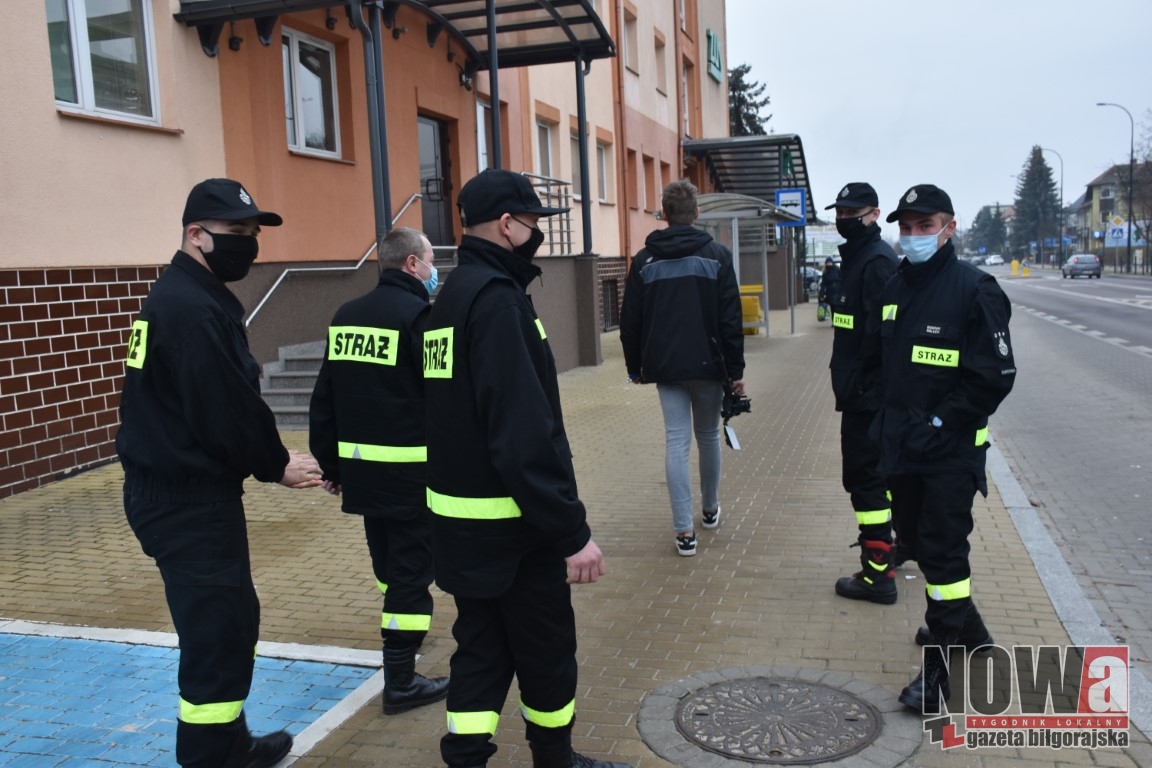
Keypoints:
pixel 434 182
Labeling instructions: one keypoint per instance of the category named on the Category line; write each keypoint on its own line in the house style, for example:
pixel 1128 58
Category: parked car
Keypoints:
pixel 811 278
pixel 994 259
pixel 976 260
pixel 1081 264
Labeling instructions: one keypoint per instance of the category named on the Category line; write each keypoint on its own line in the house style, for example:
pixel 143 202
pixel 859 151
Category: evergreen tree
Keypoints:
pixel 997 233
pixel 978 232
pixel 1037 207
pixel 745 103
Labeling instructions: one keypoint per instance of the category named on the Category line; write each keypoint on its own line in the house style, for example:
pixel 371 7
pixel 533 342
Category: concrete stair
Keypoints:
pixel 287 384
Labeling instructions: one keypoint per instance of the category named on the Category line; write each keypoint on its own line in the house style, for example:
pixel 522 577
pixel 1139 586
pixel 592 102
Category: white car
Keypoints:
pixel 994 259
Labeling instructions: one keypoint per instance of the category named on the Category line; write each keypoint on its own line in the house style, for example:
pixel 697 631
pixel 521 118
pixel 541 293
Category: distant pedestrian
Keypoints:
pixel 829 289
pixel 681 327
pixel 192 427
pixel 511 533
pixel 868 263
pixel 366 428
pixel 947 364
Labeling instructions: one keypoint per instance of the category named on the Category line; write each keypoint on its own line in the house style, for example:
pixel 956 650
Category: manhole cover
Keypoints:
pixel 777 721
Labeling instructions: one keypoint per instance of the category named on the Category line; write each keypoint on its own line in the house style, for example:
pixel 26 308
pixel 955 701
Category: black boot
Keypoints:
pixel 566 757
pixel 973 634
pixel 876 580
pixel 403 688
pixel 258 752
pixel 929 690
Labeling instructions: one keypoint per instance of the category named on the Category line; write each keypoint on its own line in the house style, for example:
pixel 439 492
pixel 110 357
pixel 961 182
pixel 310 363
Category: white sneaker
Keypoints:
pixel 711 519
pixel 686 545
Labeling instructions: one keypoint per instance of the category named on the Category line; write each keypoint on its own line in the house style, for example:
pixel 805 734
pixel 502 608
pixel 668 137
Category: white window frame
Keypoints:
pixel 660 50
pixel 298 142
pixel 602 170
pixel 545 137
pixel 574 146
pixel 483 119
pixel 631 42
pixel 82 75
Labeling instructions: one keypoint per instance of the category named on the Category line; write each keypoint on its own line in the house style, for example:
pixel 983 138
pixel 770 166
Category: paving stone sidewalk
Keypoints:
pixel 758 595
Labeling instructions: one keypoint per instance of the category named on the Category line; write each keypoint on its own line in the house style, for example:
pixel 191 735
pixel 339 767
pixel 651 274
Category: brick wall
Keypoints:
pixel 62 341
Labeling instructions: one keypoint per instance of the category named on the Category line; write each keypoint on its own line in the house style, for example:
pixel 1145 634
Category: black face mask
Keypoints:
pixel 527 249
pixel 851 228
pixel 231 256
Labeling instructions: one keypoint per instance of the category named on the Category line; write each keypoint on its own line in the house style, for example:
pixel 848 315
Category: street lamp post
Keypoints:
pixel 1131 165
pixel 1060 227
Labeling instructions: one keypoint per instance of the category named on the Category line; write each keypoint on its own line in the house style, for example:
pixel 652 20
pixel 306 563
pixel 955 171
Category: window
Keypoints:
pixel 310 112
pixel 577 185
pixel 603 171
pixel 632 171
pixel 665 175
pixel 484 149
pixel 651 194
pixel 1107 191
pixel 103 57
pixel 631 41
pixel 661 64
pixel 544 149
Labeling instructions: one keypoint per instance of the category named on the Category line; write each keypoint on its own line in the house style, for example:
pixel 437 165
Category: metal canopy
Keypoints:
pixel 755 166
pixel 732 205
pixel 527 33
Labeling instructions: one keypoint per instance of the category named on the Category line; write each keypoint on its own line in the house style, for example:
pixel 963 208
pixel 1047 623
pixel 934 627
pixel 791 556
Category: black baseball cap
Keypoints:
pixel 492 193
pixel 856 194
pixel 225 200
pixel 923 198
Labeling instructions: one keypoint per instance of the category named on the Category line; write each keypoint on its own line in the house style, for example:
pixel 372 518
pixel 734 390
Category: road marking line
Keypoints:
pixel 1115 341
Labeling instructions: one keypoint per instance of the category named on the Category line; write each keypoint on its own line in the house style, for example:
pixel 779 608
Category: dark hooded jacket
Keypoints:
pixel 681 319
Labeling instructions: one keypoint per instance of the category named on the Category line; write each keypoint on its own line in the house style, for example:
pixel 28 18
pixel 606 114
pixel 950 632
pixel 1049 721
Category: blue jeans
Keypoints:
pixel 691 406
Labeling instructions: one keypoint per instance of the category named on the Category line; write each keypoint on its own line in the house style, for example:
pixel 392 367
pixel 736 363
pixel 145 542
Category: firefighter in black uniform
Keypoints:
pixel 867 263
pixel 947 364
pixel 367 431
pixel 510 529
pixel 192 427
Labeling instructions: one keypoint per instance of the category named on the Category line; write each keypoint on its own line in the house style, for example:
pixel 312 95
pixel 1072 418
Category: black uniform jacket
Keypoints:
pixel 946 352
pixel 681 314
pixel 829 284
pixel 192 422
pixel 867 264
pixel 366 419
pixel 500 476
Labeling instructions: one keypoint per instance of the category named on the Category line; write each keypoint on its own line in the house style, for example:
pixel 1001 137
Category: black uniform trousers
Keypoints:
pixel 935 512
pixel 528 631
pixel 867 488
pixel 401 549
pixel 201 549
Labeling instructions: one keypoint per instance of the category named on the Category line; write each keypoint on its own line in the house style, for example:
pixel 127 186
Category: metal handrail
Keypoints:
pixel 292 270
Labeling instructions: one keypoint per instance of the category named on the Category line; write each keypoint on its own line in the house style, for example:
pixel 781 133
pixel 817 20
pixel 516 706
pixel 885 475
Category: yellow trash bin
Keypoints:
pixel 750 307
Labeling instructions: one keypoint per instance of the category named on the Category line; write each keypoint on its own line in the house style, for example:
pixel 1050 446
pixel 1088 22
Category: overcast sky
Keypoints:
pixel 952 93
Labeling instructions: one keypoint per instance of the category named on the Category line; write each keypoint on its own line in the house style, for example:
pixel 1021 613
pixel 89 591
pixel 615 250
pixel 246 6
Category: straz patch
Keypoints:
pixel 363 345
pixel 438 353
pixel 847 322
pixel 1000 339
pixel 137 345
pixel 946 358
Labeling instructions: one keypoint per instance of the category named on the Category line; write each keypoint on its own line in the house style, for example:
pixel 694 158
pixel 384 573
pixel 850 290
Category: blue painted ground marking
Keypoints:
pixel 67 702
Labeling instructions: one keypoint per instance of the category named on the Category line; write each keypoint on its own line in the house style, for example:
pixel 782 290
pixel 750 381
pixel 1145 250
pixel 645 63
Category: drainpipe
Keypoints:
pixel 494 87
pixel 373 80
pixel 582 117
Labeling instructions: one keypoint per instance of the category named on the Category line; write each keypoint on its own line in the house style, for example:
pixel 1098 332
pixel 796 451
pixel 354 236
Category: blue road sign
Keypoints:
pixel 792 201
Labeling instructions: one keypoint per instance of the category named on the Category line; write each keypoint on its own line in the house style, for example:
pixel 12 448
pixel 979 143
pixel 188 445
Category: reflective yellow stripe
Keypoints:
pixel 390 453
pixel 982 436
pixel 438 353
pixel 540 328
pixel 362 344
pixel 382 587
pixel 878 567
pixel 405 621
pixel 473 722
pixel 948 358
pixel 889 312
pixel 955 591
pixel 847 322
pixel 873 516
pixel 498 508
pixel 557 719
pixel 210 714
pixel 137 344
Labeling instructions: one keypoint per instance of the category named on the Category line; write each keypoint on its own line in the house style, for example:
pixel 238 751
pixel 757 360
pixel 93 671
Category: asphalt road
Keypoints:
pixel 1077 432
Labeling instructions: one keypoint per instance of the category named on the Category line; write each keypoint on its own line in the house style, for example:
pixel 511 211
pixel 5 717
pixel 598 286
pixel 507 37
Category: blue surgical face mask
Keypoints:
pixel 919 248
pixel 433 278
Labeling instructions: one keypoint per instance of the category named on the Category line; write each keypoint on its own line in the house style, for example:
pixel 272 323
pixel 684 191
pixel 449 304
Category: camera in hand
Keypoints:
pixel 733 404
